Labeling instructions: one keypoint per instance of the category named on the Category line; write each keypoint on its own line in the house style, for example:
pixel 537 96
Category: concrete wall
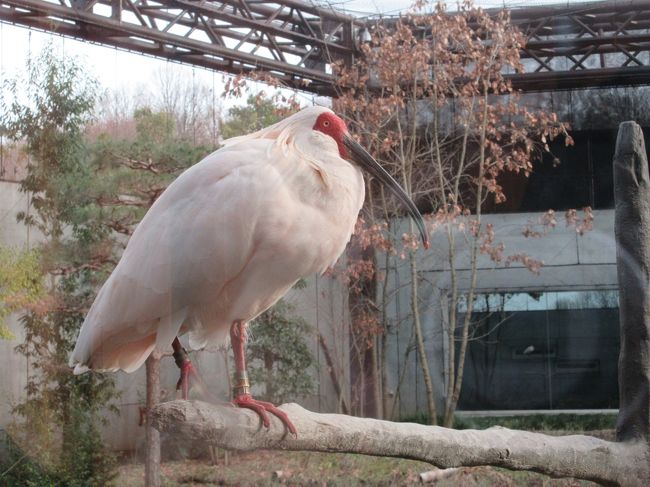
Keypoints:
pixel 15 367
pixel 572 262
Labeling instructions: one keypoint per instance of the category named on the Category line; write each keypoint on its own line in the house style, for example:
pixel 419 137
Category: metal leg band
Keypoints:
pixel 242 385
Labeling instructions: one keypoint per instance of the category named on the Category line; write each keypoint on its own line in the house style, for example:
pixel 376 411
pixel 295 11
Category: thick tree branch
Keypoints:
pixel 569 456
pixel 333 373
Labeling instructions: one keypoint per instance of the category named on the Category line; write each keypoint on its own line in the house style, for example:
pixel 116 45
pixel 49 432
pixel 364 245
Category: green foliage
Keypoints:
pixel 255 115
pixel 83 465
pixel 17 469
pixel 21 284
pixel 130 173
pixel 279 357
pixel 47 112
pixel 85 461
pixel 50 122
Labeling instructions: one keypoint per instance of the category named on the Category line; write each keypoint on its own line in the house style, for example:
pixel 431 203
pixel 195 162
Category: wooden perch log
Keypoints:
pixel 569 456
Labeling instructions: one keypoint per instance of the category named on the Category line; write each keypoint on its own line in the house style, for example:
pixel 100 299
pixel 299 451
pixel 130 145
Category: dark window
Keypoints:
pixel 568 177
pixel 547 350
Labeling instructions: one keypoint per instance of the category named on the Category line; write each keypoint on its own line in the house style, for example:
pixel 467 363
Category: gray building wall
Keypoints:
pixel 572 262
pixel 15 367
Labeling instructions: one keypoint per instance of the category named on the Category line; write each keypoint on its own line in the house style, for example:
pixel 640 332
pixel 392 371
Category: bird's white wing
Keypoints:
pixel 194 239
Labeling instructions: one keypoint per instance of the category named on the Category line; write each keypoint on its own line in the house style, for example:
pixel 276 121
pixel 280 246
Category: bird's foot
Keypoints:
pixel 261 408
pixel 188 372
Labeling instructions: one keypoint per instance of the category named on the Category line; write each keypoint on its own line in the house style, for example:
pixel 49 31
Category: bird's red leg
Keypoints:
pixel 187 369
pixel 242 390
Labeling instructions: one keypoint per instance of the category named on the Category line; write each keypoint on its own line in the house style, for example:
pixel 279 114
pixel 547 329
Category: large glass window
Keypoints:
pixel 542 350
pixel 567 177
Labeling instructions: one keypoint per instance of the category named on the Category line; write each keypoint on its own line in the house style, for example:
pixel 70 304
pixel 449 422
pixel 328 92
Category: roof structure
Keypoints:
pixel 602 43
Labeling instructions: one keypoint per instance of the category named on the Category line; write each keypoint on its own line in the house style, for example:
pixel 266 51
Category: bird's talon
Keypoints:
pixel 261 408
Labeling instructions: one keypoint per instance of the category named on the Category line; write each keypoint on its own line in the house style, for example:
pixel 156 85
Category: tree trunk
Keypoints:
pixel 632 226
pixel 333 374
pixel 456 379
pixel 268 369
pixel 419 338
pixel 363 373
pixel 152 438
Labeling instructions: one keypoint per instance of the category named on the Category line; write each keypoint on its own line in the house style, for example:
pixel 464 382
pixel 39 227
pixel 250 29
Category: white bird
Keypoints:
pixel 227 239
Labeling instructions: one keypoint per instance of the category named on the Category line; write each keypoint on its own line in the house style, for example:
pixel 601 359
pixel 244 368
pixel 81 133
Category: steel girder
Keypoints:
pixel 596 44
pixel 292 40
pixel 584 45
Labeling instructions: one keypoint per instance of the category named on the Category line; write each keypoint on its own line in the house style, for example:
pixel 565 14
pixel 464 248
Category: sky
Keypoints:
pixel 116 69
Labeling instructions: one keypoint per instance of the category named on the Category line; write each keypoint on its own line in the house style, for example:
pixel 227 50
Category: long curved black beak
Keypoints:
pixel 365 160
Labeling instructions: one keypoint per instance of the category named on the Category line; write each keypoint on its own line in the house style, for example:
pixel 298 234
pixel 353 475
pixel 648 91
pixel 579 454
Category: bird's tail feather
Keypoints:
pixel 117 353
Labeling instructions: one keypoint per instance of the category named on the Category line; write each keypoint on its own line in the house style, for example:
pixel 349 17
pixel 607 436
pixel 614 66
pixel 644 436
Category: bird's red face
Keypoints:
pixel 350 149
pixel 331 125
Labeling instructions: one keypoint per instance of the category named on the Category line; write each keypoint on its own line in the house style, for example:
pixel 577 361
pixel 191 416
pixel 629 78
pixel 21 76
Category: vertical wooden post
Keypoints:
pixel 152 438
pixel 632 226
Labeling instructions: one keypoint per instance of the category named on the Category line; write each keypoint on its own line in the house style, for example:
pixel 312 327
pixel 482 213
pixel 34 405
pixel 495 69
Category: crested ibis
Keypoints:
pixel 227 239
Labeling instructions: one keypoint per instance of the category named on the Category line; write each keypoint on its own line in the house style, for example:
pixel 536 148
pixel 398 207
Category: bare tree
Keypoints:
pixel 431 101
pixel 194 107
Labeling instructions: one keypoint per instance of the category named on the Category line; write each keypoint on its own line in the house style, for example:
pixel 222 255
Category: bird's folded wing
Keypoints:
pixel 194 239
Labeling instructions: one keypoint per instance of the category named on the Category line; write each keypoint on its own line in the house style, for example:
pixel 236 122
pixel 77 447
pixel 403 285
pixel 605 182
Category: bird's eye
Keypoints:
pixel 326 123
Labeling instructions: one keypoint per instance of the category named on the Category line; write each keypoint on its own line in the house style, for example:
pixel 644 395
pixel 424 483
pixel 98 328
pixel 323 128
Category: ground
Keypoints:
pixel 324 469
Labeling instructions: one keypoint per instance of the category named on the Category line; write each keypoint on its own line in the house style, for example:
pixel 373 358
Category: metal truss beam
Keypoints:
pixel 596 44
pixel 294 41
pixel 603 43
